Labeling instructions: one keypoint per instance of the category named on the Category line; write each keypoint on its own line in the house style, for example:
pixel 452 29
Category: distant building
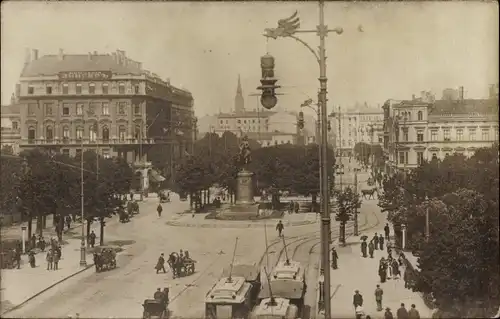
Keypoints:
pixel 10 126
pixel 206 124
pixel 104 102
pixel 419 130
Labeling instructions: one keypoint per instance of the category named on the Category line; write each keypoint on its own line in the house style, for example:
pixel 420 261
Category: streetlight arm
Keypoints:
pixel 307 46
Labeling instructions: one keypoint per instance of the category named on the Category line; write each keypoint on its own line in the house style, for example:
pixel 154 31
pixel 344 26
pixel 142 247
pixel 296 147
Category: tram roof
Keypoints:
pixel 279 309
pixel 225 291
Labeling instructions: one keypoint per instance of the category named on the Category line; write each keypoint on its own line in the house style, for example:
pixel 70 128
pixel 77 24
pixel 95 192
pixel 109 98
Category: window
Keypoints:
pixel 49 134
pixel 65 109
pixel 221 121
pixel 92 107
pixel 31 108
pixel 472 134
pixel 79 109
pixel 48 109
pixel 121 108
pixel 137 109
pixel 31 134
pixel 420 158
pixel 105 108
pixel 245 121
pixel 105 134
pixel 485 134
pixel 92 88
pixel 78 152
pixel 137 132
pixel 460 134
pixel 420 136
pixel 122 132
pixel 420 115
pixel 31 90
pixel 93 132
pixel 121 88
pixel 446 134
pixel 65 133
pixel 401 157
pixel 105 88
pixel 65 88
pixel 65 151
pixel 48 89
pixel 434 156
pixel 136 89
pixel 78 88
pixel 405 134
pixel 15 125
pixel 79 133
pixel 434 135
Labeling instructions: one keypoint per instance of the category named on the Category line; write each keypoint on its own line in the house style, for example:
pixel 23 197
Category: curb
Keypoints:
pixel 45 290
pixel 235 224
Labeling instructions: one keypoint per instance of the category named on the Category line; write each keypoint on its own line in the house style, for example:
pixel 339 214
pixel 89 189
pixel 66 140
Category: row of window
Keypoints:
pixel 106 153
pixel 50 108
pixel 406 116
pixel 403 157
pixel 104 88
pixel 79 133
pixel 459 134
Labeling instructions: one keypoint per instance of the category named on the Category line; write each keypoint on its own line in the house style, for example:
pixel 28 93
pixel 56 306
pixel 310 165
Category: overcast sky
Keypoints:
pixel 405 47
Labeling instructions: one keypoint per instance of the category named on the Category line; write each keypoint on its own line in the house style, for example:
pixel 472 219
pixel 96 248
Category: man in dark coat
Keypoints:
pixel 387 231
pixel 375 241
pixel 402 313
pixel 158 295
pixel 67 219
pixel 363 248
pixel 413 313
pixel 371 248
pixel 388 314
pixel 381 242
pixel 33 241
pixel 160 265
pixel 279 228
pixel 159 209
pixel 296 207
pixel 378 297
pixel 357 299
pixel 335 257
pixel 92 239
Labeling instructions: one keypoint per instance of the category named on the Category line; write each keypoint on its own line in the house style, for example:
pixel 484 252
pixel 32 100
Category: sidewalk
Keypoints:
pixel 290 220
pixel 358 273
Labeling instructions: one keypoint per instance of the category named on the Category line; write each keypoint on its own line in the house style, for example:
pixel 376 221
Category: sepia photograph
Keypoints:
pixel 249 159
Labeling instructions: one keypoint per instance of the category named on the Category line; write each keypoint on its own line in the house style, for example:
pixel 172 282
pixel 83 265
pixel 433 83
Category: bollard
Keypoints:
pixel 23 238
pixel 321 301
pixel 403 244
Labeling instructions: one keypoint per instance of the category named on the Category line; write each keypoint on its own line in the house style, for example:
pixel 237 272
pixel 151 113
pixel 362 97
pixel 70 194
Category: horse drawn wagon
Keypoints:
pixel 181 265
pixel 105 259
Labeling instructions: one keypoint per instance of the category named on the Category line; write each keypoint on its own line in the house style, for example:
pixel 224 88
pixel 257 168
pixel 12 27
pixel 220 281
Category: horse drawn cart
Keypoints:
pixel 105 259
pixel 181 266
pixel 155 308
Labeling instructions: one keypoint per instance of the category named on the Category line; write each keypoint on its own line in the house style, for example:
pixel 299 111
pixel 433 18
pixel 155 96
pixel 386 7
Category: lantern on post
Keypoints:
pixel 268 86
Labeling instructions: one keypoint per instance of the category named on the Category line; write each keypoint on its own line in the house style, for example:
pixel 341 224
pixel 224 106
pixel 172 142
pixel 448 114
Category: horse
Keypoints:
pixel 369 192
pixel 173 262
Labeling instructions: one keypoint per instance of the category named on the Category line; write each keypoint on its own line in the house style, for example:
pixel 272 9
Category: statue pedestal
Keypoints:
pixel 244 188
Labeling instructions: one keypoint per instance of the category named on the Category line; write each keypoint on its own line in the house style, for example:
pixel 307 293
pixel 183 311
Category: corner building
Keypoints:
pixel 106 103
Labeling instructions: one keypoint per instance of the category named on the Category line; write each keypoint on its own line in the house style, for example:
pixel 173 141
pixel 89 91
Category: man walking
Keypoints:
pixel 159 209
pixel 371 248
pixel 335 257
pixel 378 297
pixel 413 313
pixel 386 230
pixel 160 265
pixel 357 299
pixel 279 228
pixel 49 259
pixel 402 313
pixel 67 219
pixel 363 248
pixel 381 242
pixel 56 258
pixel 375 241
pixel 92 239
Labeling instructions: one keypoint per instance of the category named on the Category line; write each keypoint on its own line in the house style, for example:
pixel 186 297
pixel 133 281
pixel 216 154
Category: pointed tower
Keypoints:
pixel 239 101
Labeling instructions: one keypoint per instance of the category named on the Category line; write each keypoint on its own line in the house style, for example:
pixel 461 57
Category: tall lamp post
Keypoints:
pixel 287 28
pixel 83 261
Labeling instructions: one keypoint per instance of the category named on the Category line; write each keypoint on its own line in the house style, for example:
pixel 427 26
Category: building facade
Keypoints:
pixel 355 125
pixel 10 136
pixel 103 102
pixel 423 129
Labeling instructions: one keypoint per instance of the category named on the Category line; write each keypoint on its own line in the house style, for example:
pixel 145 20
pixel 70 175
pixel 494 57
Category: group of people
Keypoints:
pixel 162 296
pixel 173 259
pixel 402 312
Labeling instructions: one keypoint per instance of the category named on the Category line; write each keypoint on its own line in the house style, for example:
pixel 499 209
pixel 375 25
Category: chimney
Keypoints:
pixel 27 56
pixel 34 54
pixel 413 97
pixel 61 54
pixel 95 52
pixel 461 93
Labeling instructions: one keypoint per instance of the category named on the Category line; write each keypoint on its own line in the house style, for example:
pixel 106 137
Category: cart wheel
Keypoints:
pixel 146 315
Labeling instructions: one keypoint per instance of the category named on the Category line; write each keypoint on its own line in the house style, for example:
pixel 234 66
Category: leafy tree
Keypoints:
pixel 460 265
pixel 10 176
pixel 348 203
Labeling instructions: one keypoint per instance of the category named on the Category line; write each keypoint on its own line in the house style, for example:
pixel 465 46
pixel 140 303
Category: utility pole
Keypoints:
pixel 340 139
pixel 427 226
pixel 355 208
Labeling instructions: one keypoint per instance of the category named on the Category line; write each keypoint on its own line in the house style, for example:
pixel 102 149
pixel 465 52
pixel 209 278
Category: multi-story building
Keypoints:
pixel 422 129
pixel 104 102
pixel 11 131
pixel 354 125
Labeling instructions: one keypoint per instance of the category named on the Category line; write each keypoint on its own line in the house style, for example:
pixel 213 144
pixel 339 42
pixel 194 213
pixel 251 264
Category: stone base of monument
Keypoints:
pixel 239 212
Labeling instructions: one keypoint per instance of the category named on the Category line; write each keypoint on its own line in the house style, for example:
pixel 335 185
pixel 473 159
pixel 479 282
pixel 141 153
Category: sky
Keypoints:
pixel 404 48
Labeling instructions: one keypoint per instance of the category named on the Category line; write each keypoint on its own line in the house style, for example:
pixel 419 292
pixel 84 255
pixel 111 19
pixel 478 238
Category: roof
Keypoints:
pixel 249 272
pixel 52 65
pixel 225 291
pixel 284 288
pixel 266 135
pixel 279 310
pixel 262 114
pixel 467 106
pixel 10 109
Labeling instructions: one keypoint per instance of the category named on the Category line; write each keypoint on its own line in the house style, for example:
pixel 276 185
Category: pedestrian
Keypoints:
pixel 381 242
pixel 17 256
pixel 371 248
pixel 395 268
pixel 382 273
pixel 68 221
pixel 357 299
pixel 375 241
pixel 42 244
pixel 158 295
pixel 131 195
pixel 363 248
pixel 406 278
pixel 402 313
pixel 31 258
pixel 33 241
pixel 49 259
pixel 160 265
pixel 378 297
pixel 335 257
pixel 296 207
pixel 279 228
pixel 56 258
pixel 388 314
pixel 386 230
pixel 159 209
pixel 92 239
pixel 413 313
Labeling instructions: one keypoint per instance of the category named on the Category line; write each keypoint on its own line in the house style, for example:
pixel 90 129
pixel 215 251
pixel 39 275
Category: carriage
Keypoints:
pixel 105 259
pixel 181 267
pixel 155 308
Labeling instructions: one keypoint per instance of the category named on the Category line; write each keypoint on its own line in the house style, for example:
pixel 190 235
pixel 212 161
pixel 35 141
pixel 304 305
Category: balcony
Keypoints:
pixel 76 142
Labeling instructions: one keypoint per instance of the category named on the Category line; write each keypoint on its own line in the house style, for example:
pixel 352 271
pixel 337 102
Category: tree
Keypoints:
pixel 348 203
pixel 460 265
pixel 10 176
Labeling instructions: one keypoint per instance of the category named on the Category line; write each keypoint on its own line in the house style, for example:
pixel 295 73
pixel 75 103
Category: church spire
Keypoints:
pixel 239 101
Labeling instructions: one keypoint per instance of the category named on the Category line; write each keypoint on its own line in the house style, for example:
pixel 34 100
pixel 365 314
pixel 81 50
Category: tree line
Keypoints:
pixel 39 183
pixel 459 260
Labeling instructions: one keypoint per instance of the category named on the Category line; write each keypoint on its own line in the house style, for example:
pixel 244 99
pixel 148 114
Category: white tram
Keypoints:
pixel 275 308
pixel 229 298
